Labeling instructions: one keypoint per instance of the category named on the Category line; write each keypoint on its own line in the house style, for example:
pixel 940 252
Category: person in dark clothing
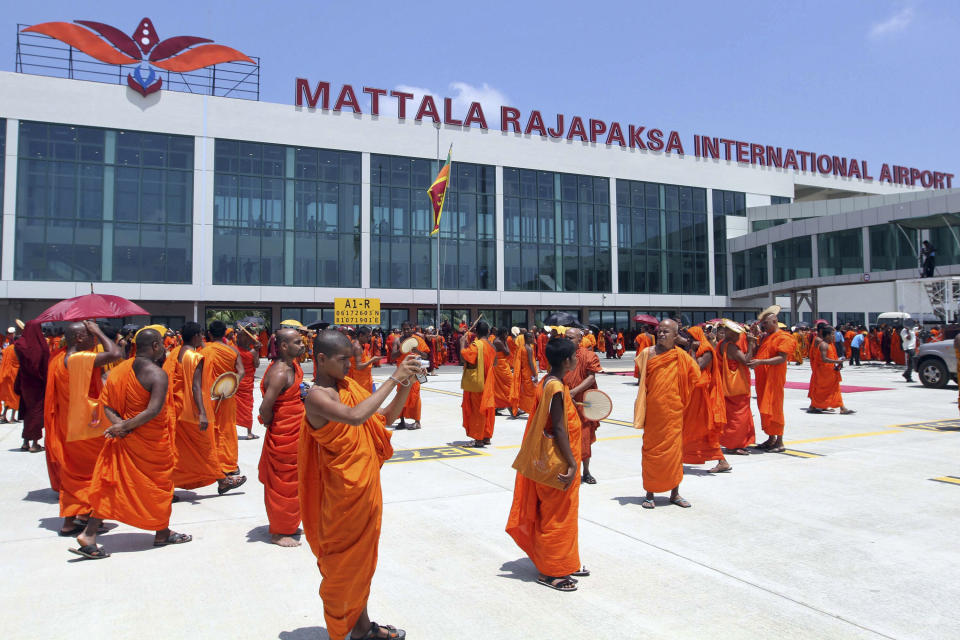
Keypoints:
pixel 886 336
pixel 928 253
pixel 33 354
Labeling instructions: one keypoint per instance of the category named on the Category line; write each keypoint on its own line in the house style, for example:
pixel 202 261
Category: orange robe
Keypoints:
pixel 824 381
pixel 9 367
pixel 503 377
pixel 798 348
pixel 540 352
pixel 218 358
pixel 643 341
pixel 263 338
pixel 197 458
pixel 522 388
pixel 479 407
pixel 512 346
pixel 602 342
pixel 771 380
pixel 133 480
pixel 847 339
pixel 738 432
pixel 341 505
pixel 896 349
pixel 65 410
pixel 278 458
pixel 543 520
pixel 622 344
pixel 587 363
pixel 706 414
pixel 245 391
pixel 588 342
pixel 364 377
pixel 411 409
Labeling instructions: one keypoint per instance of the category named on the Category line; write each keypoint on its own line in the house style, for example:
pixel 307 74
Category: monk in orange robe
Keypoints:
pixel 602 342
pixel 73 386
pixel 281 412
pixel 524 384
pixel 479 360
pixel 502 371
pixel 896 348
pixel 220 357
pixel 512 342
pixel 706 414
pixel 362 360
pixel 668 377
pixel 643 341
pixel 580 379
pixel 798 347
pixel 770 368
pixel 133 478
pixel 734 378
pixel 540 349
pixel 9 366
pixel 620 346
pixel 249 350
pixel 847 339
pixel 543 519
pixel 413 406
pixel 343 444
pixel 195 443
pixel 588 340
pixel 825 378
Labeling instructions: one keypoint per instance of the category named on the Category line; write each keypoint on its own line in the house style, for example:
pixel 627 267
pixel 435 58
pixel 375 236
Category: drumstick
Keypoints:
pixel 479 318
pixel 244 329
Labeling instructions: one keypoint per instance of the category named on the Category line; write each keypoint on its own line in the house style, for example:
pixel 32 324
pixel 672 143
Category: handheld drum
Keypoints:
pixel 596 405
pixel 408 346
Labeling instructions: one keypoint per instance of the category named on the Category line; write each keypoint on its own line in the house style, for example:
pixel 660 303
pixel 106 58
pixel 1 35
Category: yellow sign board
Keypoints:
pixel 356 311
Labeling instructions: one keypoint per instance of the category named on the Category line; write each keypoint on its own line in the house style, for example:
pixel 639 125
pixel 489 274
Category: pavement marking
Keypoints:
pixel 947 479
pixel 433 453
pixel 800 454
pixel 934 425
pixel 849 435
pixel 517 446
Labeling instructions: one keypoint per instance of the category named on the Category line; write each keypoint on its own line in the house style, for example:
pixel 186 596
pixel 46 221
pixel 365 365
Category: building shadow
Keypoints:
pixel 305 633
pixel 521 569
pixel 46 496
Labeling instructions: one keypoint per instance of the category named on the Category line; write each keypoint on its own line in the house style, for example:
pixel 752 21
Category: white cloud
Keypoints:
pixel 894 24
pixel 462 94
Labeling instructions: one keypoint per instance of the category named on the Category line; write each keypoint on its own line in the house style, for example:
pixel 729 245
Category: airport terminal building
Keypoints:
pixel 193 200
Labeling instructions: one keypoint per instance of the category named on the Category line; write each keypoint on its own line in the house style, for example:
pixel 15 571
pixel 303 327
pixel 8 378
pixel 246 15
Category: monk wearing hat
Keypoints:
pixel 734 379
pixel 770 367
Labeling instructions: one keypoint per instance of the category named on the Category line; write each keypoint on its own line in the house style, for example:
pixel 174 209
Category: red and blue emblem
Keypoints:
pixel 143 48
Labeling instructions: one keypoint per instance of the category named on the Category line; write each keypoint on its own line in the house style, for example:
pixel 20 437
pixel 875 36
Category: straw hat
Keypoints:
pixel 515 331
pixel 774 309
pixel 733 326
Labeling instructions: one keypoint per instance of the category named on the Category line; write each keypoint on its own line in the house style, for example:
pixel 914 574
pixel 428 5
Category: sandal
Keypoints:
pixel 392 633
pixel 582 572
pixel 588 479
pixel 414 426
pixel 648 503
pixel 72 533
pixel 173 538
pixel 560 584
pixel 779 449
pixel 90 552
pixel 230 482
pixel 252 436
pixel 680 502
pixel 35 449
pixel 847 412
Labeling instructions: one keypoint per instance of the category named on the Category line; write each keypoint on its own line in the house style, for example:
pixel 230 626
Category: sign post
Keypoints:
pixel 356 311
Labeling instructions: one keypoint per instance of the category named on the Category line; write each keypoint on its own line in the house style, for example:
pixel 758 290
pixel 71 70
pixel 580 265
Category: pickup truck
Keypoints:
pixel 936 364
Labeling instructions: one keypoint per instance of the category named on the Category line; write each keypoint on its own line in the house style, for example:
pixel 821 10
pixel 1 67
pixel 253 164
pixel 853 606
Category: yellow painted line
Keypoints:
pixel 622 423
pixel 434 453
pixel 844 437
pixel 801 454
pixel 951 424
pixel 947 479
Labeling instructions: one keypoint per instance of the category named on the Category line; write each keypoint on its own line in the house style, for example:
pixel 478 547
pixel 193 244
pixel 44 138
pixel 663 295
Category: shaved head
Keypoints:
pixel 286 335
pixel 73 331
pixel 331 342
pixel 147 338
pixel 574 334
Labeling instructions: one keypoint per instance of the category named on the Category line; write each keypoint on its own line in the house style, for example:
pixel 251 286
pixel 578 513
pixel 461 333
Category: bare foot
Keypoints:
pixel 722 466
pixel 283 540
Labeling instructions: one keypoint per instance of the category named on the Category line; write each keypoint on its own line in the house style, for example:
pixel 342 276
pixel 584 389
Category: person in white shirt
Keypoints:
pixel 908 339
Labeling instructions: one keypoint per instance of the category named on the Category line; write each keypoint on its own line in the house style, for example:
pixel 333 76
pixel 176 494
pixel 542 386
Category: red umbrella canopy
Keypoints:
pixel 646 319
pixel 93 305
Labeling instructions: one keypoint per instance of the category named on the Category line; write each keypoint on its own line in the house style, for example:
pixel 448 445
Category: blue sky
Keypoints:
pixel 871 79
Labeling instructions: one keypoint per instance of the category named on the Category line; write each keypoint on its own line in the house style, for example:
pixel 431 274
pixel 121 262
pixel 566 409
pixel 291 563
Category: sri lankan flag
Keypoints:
pixel 438 192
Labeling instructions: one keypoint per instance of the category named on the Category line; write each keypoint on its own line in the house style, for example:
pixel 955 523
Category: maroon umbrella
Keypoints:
pixel 646 319
pixel 93 305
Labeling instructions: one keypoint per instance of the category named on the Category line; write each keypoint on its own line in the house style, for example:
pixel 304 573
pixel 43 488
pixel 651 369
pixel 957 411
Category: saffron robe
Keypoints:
pixel 479 407
pixel 66 411
pixel 543 520
pixel 643 341
pixel 411 409
pixel 9 366
pixel 771 380
pixel 824 380
pixel 667 384
pixel 197 458
pixel 133 479
pixel 218 358
pixel 245 391
pixel 739 431
pixel 338 467
pixel 523 387
pixel 587 363
pixel 623 345
pixel 503 377
pixel 278 458
pixel 363 377
pixel 540 352
pixel 706 414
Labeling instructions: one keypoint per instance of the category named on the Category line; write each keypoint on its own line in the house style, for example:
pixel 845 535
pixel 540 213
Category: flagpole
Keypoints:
pixel 439 233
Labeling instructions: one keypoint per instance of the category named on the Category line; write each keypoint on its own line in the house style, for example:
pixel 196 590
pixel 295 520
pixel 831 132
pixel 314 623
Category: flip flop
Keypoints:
pixel 560 584
pixel 223 488
pixel 392 633
pixel 847 412
pixel 680 502
pixel 588 479
pixel 72 533
pixel 777 449
pixel 173 538
pixel 648 503
pixel 90 552
pixel 583 572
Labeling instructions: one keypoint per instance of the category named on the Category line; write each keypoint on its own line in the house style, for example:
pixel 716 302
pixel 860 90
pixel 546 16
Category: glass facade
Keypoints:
pixel 285 216
pixel 402 250
pixel 505 317
pixel 725 203
pixel 853 317
pixel 893 247
pixel 840 252
pixel 792 259
pixel 750 268
pixel 760 225
pixel 779 200
pixel 607 319
pixel 103 205
pixel 307 315
pixel 556 230
pixel 946 245
pixel 662 236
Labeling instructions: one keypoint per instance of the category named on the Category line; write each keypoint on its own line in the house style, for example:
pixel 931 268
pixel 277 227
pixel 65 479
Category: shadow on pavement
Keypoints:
pixel 305 633
pixel 193 497
pixel 625 500
pixel 46 496
pixel 693 471
pixel 262 534
pixel 521 569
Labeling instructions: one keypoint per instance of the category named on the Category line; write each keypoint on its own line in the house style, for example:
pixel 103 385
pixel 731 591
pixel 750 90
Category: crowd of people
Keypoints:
pixel 126 417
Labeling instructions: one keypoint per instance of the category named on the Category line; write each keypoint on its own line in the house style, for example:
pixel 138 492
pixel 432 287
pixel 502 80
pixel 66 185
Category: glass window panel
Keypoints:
pixel 305 164
pixel 511 266
pixel 304 258
pixel 511 182
pixel 545 185
pixel 571 268
pixel 545 271
pixel 248 255
pixel 400 172
pixel 652 196
pixel 328 258
pixel 179 254
pixel 271 257
pixel 225 255
pixel 625 271
pixel 601 191
pixel 487 266
pixel 584 188
pixel 421 262
pixel 379 169
pixel 528 183
pixel 126 252
pixel 400 263
pixel 88 243
pixel 568 187
pixel 468 264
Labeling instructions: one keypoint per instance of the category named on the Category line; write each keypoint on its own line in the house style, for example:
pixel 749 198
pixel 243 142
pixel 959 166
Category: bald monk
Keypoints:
pixel 770 368
pixel 579 379
pixel 668 376
pixel 502 371
pixel 281 412
pixel 362 360
pixel 73 386
pixel 643 340
pixel 734 378
pixel 543 519
pixel 478 404
pixel 413 406
pixel 195 444
pixel 133 482
pixel 249 350
pixel 706 414
pixel 343 444
pixel 9 367
pixel 220 357
pixel 825 379
pixel 525 373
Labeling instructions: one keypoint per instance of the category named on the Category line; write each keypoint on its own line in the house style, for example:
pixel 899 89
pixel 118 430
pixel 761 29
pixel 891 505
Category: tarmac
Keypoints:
pixel 850 534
